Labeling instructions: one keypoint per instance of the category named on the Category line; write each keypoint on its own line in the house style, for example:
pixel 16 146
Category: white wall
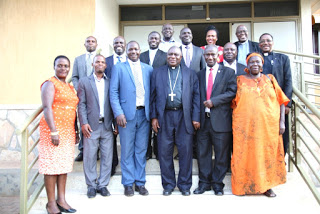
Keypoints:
pixel 106 24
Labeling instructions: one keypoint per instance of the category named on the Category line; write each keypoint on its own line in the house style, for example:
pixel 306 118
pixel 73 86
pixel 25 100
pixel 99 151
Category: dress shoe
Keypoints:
pixel 128 191
pixel 218 192
pixel 270 193
pixel 167 192
pixel 49 212
pixel 201 190
pixel 142 190
pixel 104 191
pixel 70 210
pixel 113 171
pixel 79 158
pixel 185 192
pixel 91 192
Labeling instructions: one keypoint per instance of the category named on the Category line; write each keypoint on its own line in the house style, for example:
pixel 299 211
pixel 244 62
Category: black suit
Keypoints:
pixel 216 130
pixel 253 47
pixel 160 58
pixel 281 70
pixel 175 125
pixel 240 69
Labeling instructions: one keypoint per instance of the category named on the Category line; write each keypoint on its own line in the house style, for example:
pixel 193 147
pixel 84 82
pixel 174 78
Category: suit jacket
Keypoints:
pixel 88 108
pixel 160 58
pixel 253 46
pixel 109 62
pixel 197 62
pixel 190 95
pixel 224 89
pixel 123 89
pixel 281 70
pixel 240 69
pixel 79 70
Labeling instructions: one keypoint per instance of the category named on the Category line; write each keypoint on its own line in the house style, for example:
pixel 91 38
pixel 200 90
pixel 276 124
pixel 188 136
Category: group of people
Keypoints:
pixel 233 98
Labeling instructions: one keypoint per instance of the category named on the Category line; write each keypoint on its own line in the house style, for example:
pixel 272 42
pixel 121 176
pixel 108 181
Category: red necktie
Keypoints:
pixel 210 84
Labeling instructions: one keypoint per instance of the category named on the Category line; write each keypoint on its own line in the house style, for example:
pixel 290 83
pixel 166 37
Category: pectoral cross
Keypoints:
pixel 172 95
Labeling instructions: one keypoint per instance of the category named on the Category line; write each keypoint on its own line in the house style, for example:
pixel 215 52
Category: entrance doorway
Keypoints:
pixel 199 33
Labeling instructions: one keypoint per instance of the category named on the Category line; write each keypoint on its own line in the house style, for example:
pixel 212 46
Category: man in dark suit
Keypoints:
pixel 82 67
pixel 175 116
pixel 96 118
pixel 193 59
pixel 229 59
pixel 279 66
pixel 244 45
pixel 129 97
pixel 218 87
pixel 119 47
pixel 192 55
pixel 156 58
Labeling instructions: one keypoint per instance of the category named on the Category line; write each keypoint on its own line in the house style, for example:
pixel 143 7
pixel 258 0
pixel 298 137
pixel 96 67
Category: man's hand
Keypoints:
pixel 287 110
pixel 121 121
pixel 208 103
pixel 55 140
pixel 196 125
pixel 116 131
pixel 86 129
pixel 155 125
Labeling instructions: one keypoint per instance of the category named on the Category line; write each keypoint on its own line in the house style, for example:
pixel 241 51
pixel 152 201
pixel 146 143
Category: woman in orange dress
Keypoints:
pixel 257 162
pixel 211 38
pixel 57 134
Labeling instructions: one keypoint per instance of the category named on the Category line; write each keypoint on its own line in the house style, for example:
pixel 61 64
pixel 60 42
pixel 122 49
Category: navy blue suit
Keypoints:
pixel 175 126
pixel 216 130
pixel 134 137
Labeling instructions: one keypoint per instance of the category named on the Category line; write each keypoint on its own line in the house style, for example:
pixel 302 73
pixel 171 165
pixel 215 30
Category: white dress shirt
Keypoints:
pixel 100 88
pixel 184 51
pixel 214 74
pixel 232 66
pixel 165 46
pixel 123 58
pixel 152 54
pixel 136 67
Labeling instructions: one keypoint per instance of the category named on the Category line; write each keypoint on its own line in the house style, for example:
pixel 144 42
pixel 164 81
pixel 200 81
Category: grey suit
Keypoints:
pixel 101 135
pixel 197 61
pixel 79 70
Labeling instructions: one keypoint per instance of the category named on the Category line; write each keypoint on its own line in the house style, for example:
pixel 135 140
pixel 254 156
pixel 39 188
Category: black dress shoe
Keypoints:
pixel 185 192
pixel 113 171
pixel 51 213
pixel 104 191
pixel 167 192
pixel 79 158
pixel 91 193
pixel 128 191
pixel 218 192
pixel 142 190
pixel 201 190
pixel 70 210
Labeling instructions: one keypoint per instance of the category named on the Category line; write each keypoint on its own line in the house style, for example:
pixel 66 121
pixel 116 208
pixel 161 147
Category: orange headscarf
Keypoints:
pixel 248 58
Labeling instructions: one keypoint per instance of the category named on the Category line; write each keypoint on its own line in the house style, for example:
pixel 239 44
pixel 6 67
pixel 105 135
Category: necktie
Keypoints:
pixel 139 87
pixel 89 64
pixel 210 84
pixel 119 60
pixel 187 56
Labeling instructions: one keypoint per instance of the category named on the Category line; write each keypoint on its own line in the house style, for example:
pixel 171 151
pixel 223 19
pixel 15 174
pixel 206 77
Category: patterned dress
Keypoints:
pixel 257 162
pixel 220 52
pixel 56 160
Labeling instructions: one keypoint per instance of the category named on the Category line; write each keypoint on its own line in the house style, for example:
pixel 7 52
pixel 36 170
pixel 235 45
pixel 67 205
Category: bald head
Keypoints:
pixel 242 33
pixel 230 52
pixel 174 56
pixel 119 45
pixel 211 55
pixel 167 31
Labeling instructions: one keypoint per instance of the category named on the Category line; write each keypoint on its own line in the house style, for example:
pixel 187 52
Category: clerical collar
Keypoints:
pixel 243 43
pixel 268 53
pixel 173 68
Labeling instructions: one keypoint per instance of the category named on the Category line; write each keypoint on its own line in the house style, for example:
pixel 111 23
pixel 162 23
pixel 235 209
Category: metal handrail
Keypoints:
pixel 299 105
pixel 298 54
pixel 25 203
